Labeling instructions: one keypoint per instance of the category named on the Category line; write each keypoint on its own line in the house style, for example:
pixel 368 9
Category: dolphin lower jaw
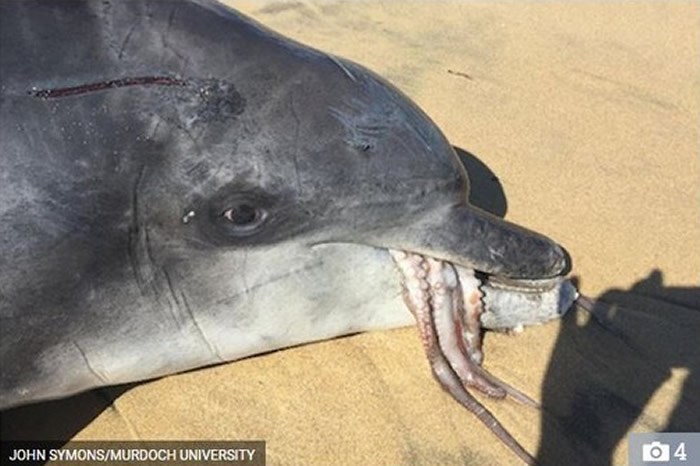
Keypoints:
pixel 528 302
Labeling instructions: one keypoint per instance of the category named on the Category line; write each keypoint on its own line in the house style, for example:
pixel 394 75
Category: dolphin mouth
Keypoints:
pixel 508 303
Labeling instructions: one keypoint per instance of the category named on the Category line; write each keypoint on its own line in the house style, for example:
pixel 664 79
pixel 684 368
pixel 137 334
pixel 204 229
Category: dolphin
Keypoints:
pixel 180 187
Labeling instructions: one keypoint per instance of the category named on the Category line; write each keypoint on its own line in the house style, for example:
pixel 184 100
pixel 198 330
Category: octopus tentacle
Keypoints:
pixel 432 293
pixel 473 307
pixel 513 392
pixel 443 285
pixel 601 312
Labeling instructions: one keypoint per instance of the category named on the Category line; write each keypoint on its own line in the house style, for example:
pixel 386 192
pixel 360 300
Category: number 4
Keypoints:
pixel 680 452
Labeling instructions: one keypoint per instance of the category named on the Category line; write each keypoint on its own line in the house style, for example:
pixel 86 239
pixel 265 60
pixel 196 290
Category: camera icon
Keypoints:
pixel 656 452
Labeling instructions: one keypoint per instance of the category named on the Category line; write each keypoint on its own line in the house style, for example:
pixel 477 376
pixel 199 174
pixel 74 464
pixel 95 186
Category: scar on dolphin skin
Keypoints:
pixel 111 84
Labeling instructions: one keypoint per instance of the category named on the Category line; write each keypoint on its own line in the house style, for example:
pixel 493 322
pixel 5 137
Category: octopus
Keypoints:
pixel 449 303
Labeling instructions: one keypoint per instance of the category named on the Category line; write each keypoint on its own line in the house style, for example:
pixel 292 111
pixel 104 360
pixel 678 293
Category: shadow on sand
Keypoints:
pixel 599 382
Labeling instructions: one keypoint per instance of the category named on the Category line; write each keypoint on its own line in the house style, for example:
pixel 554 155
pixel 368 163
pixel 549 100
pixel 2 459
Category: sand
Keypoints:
pixel 587 114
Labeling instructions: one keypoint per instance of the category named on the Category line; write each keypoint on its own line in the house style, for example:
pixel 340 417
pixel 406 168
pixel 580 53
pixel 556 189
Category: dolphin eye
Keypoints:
pixel 244 218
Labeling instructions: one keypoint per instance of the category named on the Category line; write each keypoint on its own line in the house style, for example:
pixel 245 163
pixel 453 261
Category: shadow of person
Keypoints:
pixel 601 378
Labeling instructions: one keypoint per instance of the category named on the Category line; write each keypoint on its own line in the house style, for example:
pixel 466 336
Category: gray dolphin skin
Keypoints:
pixel 180 186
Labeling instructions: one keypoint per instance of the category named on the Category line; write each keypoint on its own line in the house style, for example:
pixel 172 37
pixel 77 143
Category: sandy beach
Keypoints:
pixel 577 120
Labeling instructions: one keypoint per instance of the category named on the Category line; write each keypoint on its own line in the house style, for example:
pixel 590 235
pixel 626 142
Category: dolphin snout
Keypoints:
pixel 470 237
pixel 497 247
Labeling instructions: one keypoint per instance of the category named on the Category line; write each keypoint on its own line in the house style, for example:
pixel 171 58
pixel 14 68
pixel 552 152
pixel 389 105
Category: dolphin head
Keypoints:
pixel 288 177
pixel 194 188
